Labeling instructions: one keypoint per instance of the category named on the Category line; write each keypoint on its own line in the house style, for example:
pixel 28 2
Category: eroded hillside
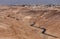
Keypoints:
pixel 18 22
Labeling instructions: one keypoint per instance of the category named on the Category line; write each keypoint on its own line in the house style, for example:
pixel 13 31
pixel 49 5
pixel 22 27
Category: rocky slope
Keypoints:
pixel 16 22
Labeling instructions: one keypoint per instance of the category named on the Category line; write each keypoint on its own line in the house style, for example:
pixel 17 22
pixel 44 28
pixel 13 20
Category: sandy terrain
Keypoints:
pixel 16 22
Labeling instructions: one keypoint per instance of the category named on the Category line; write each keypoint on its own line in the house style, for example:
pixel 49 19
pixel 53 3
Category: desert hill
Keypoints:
pixel 15 22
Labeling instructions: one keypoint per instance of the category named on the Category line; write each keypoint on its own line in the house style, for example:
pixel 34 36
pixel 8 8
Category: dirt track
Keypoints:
pixel 15 22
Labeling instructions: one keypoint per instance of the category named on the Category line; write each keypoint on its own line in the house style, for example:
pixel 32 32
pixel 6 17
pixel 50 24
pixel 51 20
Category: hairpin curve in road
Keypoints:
pixel 44 30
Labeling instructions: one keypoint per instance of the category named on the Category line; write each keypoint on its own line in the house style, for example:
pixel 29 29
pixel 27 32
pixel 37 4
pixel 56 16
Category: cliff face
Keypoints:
pixel 16 21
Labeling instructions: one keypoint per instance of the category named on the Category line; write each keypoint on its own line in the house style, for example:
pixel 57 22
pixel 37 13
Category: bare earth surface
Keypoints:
pixel 15 22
